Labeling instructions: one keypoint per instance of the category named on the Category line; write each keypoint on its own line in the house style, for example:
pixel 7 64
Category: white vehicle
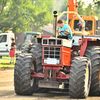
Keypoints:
pixel 5 43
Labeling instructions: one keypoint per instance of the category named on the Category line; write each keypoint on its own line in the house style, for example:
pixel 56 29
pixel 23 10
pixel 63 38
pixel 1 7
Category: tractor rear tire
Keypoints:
pixel 19 46
pixel 80 77
pixel 25 49
pixel 94 54
pixel 23 82
pixel 36 50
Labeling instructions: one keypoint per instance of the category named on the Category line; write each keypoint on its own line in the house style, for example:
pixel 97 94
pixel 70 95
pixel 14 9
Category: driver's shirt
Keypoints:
pixel 64 29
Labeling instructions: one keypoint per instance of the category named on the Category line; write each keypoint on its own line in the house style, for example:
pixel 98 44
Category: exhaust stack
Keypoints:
pixel 55 23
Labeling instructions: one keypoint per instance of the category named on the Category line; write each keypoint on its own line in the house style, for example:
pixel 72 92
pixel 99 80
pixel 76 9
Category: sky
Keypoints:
pixel 87 2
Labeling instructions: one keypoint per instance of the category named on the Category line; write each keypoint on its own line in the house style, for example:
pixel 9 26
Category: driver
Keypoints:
pixel 64 30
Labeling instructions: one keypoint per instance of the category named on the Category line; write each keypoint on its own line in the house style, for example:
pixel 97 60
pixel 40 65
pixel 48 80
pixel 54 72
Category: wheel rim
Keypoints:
pixel 87 79
pixel 99 73
pixel 32 79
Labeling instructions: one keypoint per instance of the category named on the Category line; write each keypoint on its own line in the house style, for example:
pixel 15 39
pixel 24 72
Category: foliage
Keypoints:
pixel 88 9
pixel 80 7
pixel 95 7
pixel 63 6
pixel 4 62
pixel 31 15
pixel 23 15
pixel 96 2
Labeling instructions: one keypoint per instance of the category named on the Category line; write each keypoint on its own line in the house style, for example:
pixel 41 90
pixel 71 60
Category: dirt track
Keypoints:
pixel 7 90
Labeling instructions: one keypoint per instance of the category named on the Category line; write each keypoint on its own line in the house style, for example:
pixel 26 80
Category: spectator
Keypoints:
pixel 12 50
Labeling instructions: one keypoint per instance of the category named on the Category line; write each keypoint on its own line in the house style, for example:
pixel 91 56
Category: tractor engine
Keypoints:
pixel 56 58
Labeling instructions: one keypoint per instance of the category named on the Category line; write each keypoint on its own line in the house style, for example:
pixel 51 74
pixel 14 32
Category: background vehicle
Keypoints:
pixel 32 36
pixel 5 42
pixel 91 25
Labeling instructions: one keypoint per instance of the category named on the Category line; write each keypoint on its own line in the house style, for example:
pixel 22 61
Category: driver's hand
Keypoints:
pixel 59 31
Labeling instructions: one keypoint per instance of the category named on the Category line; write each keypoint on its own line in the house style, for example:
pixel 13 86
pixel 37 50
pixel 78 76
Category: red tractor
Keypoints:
pixel 55 64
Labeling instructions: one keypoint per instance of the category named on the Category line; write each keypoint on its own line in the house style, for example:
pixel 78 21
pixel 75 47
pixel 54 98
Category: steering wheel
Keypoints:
pixel 62 36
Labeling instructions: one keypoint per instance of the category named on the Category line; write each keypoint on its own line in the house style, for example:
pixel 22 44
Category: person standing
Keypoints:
pixel 12 50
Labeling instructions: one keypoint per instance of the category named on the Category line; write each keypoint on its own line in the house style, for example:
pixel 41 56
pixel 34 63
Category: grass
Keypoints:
pixel 5 62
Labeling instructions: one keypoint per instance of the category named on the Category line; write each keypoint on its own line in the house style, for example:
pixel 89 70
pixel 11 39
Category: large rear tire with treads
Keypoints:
pixel 94 54
pixel 80 77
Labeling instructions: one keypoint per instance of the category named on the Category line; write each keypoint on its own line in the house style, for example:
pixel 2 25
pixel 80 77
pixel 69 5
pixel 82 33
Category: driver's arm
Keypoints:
pixel 59 31
pixel 67 32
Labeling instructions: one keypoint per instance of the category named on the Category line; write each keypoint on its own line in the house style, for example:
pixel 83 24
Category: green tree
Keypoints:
pixel 96 2
pixel 64 6
pixel 81 10
pixel 23 15
pixel 96 8
pixel 88 9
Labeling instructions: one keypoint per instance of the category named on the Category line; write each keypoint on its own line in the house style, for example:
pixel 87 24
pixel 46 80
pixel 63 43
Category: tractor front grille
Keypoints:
pixel 52 42
pixel 52 53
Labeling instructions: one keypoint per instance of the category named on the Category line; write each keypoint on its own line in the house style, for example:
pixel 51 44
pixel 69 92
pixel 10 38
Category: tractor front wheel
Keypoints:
pixel 23 82
pixel 80 77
